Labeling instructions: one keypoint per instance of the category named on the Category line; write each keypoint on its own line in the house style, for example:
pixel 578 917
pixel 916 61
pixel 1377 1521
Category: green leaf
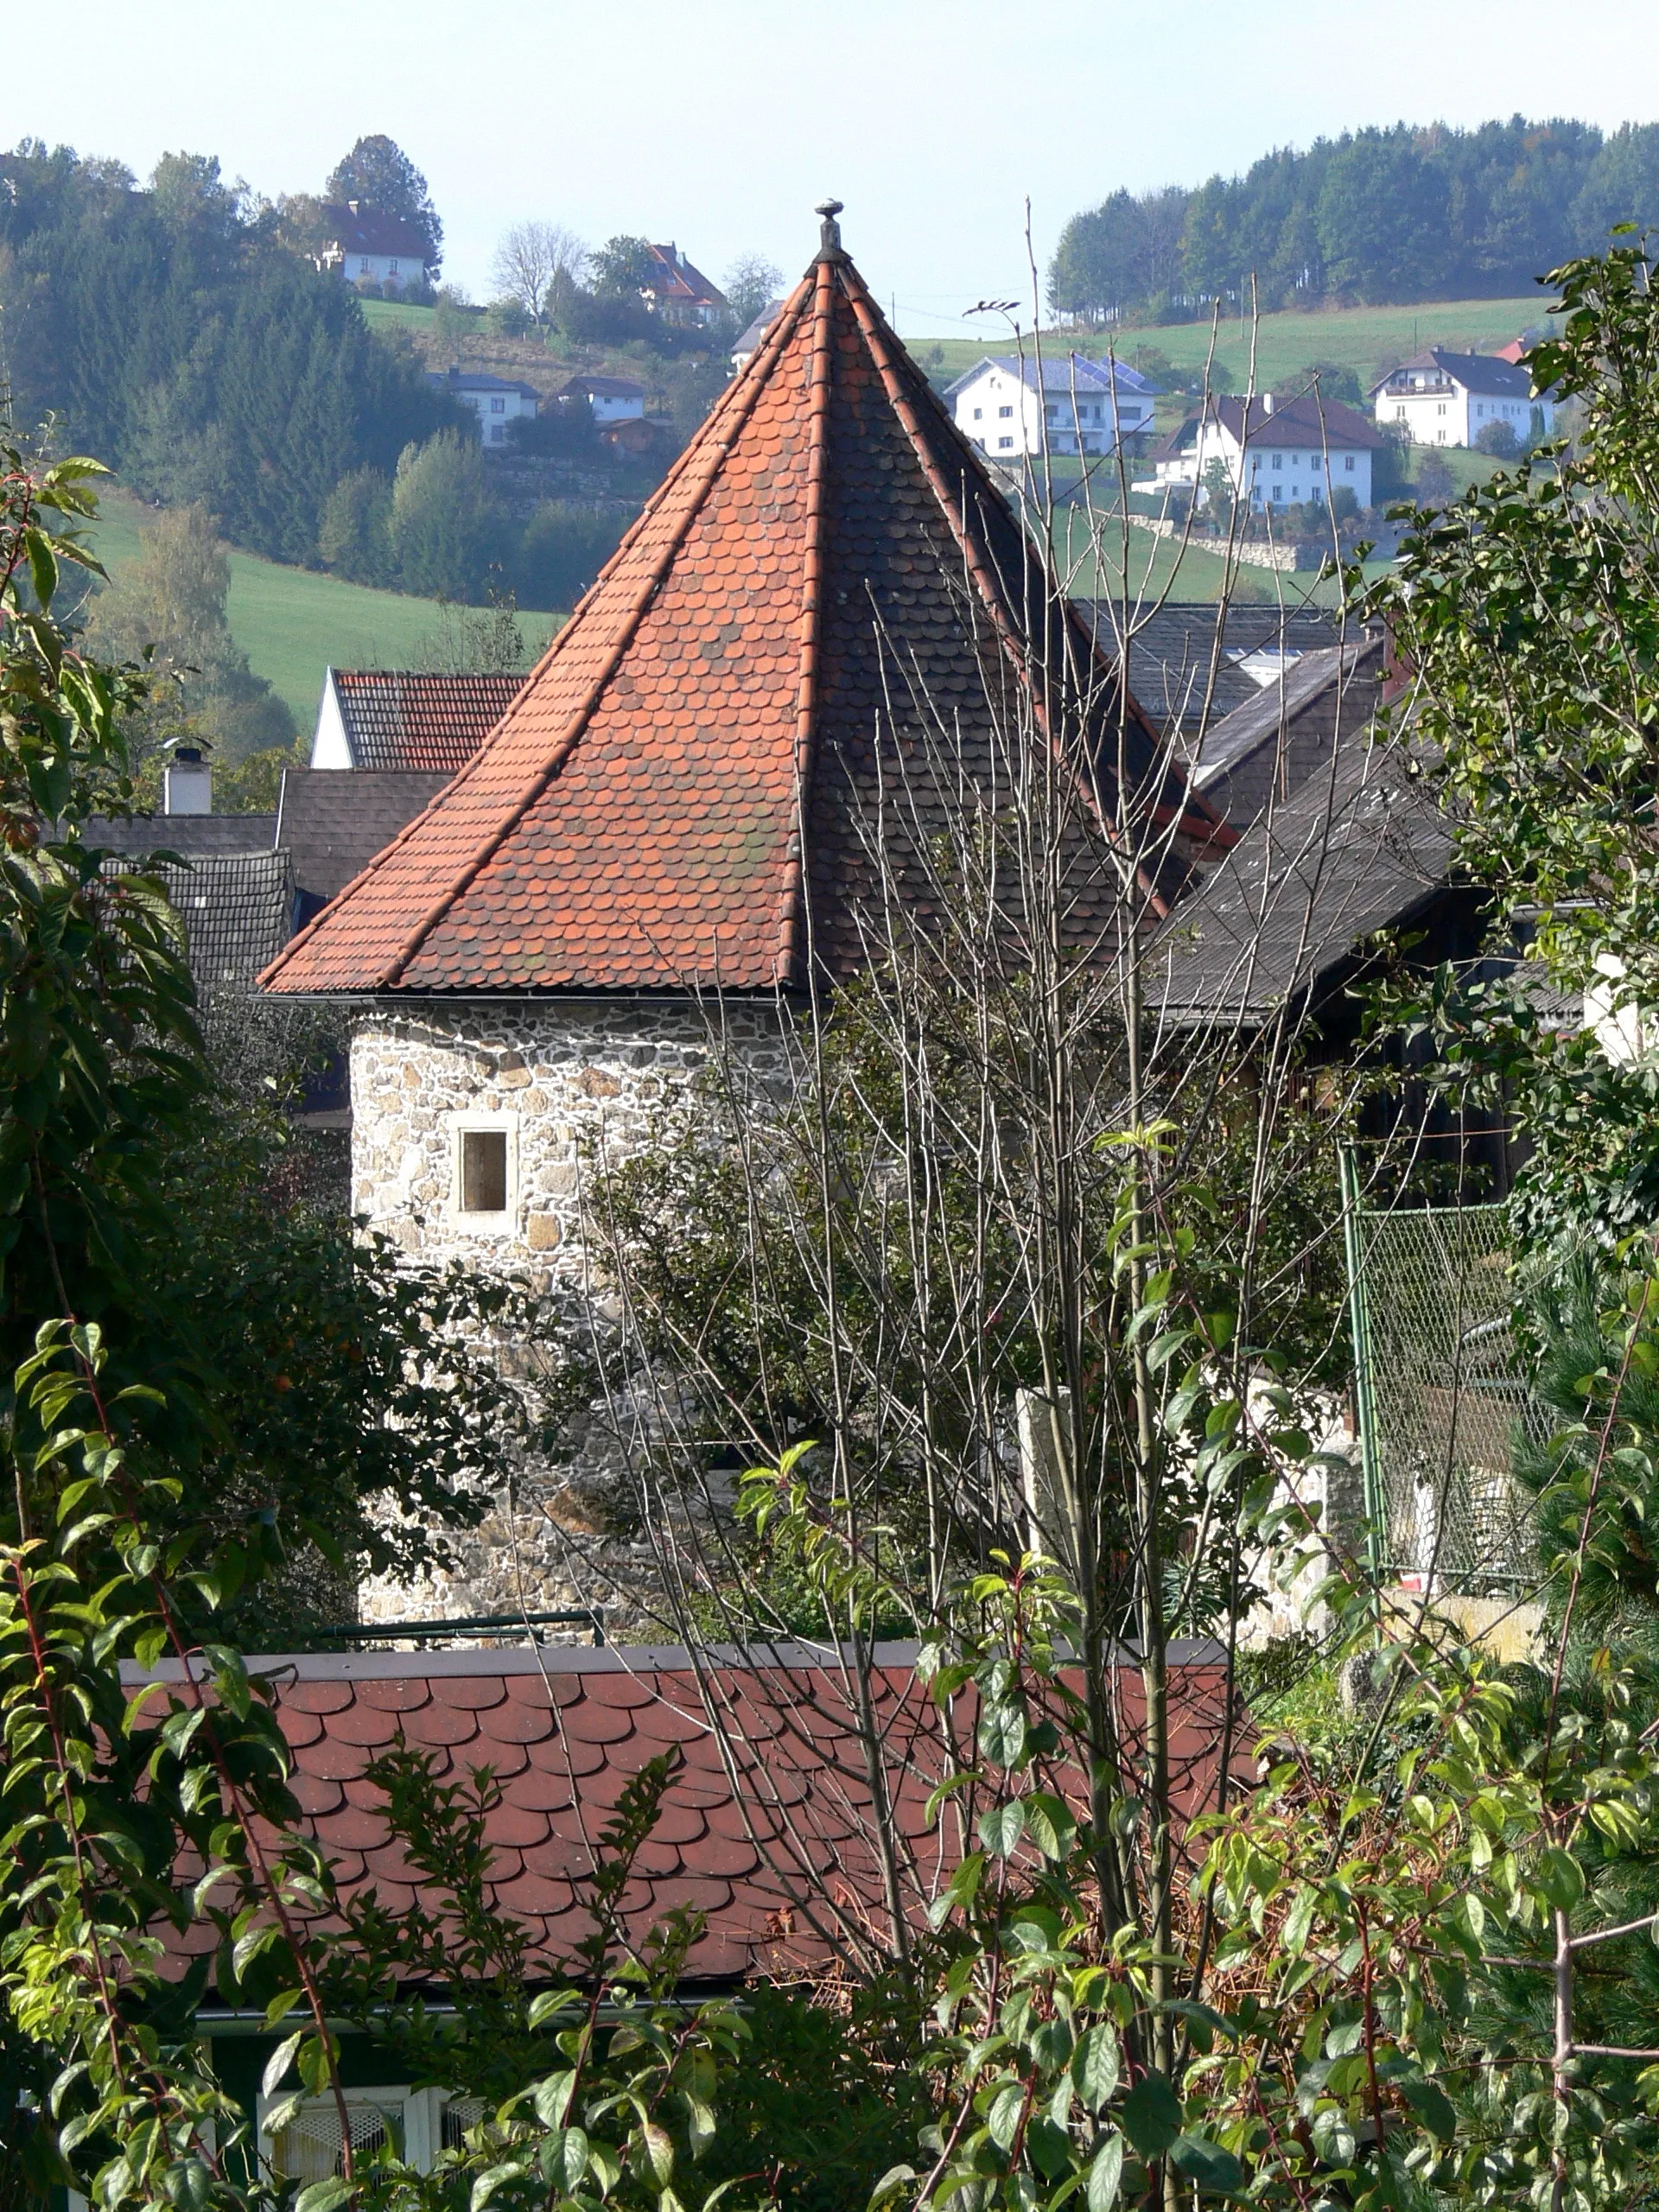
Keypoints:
pixel 1208 2163
pixel 1431 2104
pixel 1002 1733
pixel 323 2196
pixel 1151 2114
pixel 1333 2136
pixel 1000 1828
pixel 1050 1824
pixel 1003 2119
pixel 278 2063
pixel 1105 2173
pixel 1559 1878
pixel 1095 2067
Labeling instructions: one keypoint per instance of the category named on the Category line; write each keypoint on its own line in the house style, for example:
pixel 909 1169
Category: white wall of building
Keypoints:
pixel 1003 416
pixel 494 410
pixel 1276 475
pixel 1455 416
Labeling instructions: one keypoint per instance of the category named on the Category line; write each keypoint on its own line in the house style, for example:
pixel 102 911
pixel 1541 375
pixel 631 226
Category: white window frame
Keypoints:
pixel 484 1224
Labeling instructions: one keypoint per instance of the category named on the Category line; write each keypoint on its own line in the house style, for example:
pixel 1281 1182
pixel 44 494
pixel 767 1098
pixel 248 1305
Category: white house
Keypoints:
pixel 494 400
pixel 364 246
pixel 1076 405
pixel 1278 457
pixel 612 399
pixel 1448 399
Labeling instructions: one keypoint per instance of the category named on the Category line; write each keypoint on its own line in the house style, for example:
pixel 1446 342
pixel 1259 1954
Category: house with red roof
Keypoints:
pixel 679 804
pixel 677 292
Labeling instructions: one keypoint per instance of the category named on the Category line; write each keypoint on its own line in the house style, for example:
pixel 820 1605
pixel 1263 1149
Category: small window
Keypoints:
pixel 392 268
pixel 978 413
pixel 498 407
pixel 498 434
pixel 1004 443
pixel 1278 460
pixel 365 268
pixel 483 1171
pixel 1348 462
pixel 1005 412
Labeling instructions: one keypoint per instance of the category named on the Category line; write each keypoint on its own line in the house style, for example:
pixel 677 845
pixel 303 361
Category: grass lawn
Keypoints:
pixel 293 623
pixel 392 314
pixel 1365 340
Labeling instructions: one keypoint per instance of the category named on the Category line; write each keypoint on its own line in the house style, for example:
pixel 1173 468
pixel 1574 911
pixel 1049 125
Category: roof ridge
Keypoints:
pixel 753 378
pixel 504 828
pixel 874 329
pixel 795 919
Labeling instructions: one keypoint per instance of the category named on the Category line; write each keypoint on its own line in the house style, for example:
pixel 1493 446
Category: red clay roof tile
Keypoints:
pixel 826 542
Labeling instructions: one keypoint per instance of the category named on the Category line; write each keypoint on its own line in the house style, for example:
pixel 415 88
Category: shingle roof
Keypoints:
pixel 1059 373
pixel 368 231
pixel 1172 646
pixel 426 723
pixel 563 1731
pixel 237 909
pixel 677 279
pixel 1266 749
pixel 602 388
pixel 193 834
pixel 826 578
pixel 475 380
pixel 1357 848
pixel 1319 424
pixel 334 823
pixel 1486 374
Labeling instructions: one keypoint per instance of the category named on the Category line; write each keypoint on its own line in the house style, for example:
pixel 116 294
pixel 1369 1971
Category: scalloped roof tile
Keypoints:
pixel 680 795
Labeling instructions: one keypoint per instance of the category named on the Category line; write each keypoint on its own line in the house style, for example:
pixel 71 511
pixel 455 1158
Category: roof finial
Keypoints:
pixel 829 245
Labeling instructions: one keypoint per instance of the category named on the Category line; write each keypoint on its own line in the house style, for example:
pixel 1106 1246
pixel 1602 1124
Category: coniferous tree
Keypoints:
pixel 379 172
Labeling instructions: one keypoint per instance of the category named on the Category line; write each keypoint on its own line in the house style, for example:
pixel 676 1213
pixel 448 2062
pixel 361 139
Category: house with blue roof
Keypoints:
pixel 1066 403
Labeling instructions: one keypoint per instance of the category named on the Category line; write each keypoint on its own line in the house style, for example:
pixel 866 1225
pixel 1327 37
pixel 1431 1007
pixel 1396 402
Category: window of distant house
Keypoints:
pixel 1278 491
pixel 1278 460
pixel 391 269
pixel 483 1171
pixel 363 266
pixel 1348 462
pixel 498 434
pixel 978 414
pixel 1005 411
pixel 1004 443
pixel 498 407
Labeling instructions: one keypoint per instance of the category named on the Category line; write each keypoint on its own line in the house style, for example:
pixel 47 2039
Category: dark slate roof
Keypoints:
pixel 758 329
pixel 193 834
pixel 682 795
pixel 1485 374
pixel 586 387
pixel 1266 749
pixel 1308 420
pixel 475 380
pixel 429 723
pixel 334 821
pixel 367 230
pixel 1359 847
pixel 237 909
pixel 765 1831
pixel 1171 650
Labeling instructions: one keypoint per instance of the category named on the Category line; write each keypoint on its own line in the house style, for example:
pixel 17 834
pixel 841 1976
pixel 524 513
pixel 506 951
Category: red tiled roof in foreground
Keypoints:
pixel 564 1731
pixel 825 592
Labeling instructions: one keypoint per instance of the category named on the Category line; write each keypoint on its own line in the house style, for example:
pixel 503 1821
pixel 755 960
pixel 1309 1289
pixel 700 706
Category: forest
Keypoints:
pixel 1375 217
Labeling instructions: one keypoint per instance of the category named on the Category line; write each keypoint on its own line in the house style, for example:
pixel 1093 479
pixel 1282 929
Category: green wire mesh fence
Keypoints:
pixel 1438 1393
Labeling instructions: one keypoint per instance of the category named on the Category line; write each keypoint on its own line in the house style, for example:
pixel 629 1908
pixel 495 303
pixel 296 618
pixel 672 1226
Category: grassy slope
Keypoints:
pixel 293 623
pixel 1363 338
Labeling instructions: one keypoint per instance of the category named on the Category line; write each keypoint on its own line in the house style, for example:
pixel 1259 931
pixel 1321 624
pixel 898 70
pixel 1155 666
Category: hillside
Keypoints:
pixel 1368 341
pixel 293 623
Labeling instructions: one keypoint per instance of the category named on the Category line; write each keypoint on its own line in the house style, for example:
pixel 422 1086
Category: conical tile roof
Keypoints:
pixel 682 794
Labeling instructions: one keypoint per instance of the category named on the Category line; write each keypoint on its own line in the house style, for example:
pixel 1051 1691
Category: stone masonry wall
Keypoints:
pixel 573 1084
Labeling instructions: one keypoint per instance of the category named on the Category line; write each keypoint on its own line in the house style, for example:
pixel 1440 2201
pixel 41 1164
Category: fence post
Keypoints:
pixel 1359 1323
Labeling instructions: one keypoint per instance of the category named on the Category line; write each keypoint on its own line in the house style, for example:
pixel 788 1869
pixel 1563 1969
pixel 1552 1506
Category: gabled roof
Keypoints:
pixel 363 229
pixel 1306 421
pixel 1486 375
pixel 1059 373
pixel 1360 846
pixel 475 380
pixel 419 721
pixel 592 387
pixel 766 1827
pixel 675 280
pixel 1266 749
pixel 682 795
pixel 334 824
pixel 1172 644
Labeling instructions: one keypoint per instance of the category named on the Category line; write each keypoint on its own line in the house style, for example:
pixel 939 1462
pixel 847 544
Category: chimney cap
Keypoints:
pixel 189 753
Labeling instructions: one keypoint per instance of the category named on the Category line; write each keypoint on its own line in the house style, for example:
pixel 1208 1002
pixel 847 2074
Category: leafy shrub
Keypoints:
pixel 563 550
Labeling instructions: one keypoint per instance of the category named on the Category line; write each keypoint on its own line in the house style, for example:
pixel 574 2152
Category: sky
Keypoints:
pixel 719 123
